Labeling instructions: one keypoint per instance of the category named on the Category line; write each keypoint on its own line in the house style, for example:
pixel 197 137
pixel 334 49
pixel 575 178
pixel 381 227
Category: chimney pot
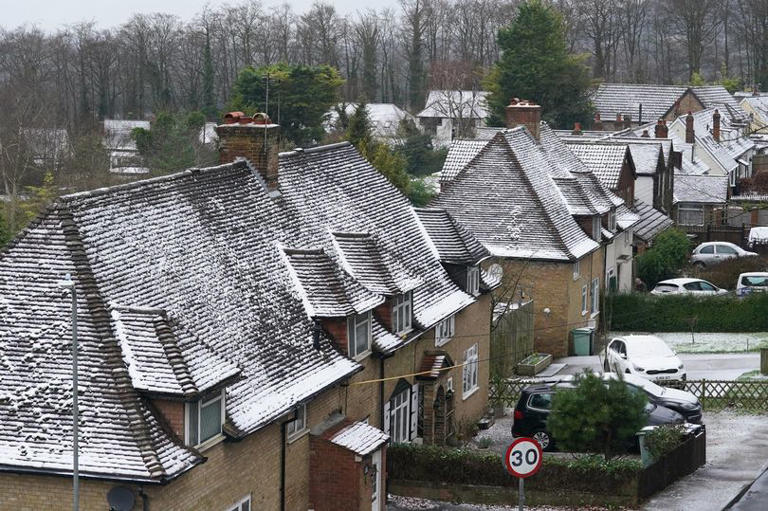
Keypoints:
pixel 261 118
pixel 576 128
pixel 598 124
pixel 645 134
pixel 716 125
pixel 232 117
pixel 245 120
pixel 524 113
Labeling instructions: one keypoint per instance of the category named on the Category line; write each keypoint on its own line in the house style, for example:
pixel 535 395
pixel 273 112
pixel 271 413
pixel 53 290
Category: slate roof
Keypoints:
pixel 360 438
pixel 604 160
pixel 455 245
pixel 760 105
pixel 453 104
pixel 611 99
pixel 652 221
pixel 700 189
pixel 459 154
pixel 507 198
pixel 714 96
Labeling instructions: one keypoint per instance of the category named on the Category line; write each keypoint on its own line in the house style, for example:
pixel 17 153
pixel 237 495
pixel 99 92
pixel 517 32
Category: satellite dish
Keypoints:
pixel 120 498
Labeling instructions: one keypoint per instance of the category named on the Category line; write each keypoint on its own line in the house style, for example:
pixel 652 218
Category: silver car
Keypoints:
pixel 713 252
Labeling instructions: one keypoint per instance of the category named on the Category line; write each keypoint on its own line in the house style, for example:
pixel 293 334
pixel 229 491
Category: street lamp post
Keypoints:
pixel 69 285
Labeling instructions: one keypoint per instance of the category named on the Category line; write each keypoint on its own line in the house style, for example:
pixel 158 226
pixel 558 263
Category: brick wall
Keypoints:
pixel 173 413
pixel 257 143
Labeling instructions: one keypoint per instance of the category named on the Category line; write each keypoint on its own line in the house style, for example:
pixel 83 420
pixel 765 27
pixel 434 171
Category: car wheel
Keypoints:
pixel 545 441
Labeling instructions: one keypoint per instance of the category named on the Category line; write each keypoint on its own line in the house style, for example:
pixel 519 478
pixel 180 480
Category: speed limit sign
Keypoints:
pixel 523 459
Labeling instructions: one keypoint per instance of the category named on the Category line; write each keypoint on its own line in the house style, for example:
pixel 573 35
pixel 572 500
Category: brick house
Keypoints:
pixel 251 336
pixel 544 217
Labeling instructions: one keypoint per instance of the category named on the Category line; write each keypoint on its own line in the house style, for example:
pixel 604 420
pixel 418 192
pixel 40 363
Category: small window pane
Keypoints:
pixel 708 250
pixel 210 420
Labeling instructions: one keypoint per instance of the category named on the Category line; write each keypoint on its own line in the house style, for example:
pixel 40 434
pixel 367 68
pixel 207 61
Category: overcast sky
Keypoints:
pixel 53 14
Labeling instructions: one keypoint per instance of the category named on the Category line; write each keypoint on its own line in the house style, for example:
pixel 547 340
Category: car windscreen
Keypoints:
pixel 666 288
pixel 755 280
pixel 647 385
pixel 648 349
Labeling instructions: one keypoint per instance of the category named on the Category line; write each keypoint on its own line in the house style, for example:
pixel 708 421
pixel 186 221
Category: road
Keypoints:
pixel 710 366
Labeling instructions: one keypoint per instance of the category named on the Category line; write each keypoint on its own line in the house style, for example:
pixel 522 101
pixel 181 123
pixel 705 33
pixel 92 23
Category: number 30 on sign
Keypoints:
pixel 523 457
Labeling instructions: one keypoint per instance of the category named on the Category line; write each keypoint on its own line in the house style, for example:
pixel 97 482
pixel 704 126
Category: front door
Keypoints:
pixel 377 483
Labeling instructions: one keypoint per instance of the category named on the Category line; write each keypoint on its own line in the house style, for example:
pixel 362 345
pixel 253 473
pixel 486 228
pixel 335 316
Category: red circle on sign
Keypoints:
pixel 527 467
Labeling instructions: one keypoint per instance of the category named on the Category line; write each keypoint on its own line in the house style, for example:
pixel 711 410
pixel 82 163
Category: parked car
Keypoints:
pixel 681 401
pixel 534 405
pixel 687 286
pixel 752 282
pixel 713 252
pixel 646 356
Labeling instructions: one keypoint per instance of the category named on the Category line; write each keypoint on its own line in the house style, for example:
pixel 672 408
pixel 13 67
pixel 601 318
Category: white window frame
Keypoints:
pixel 200 404
pixel 685 212
pixel 445 330
pixel 473 280
pixel 595 303
pixel 584 300
pixel 245 501
pixel 353 322
pixel 577 269
pixel 400 417
pixel 298 426
pixel 402 313
pixel 596 225
pixel 469 372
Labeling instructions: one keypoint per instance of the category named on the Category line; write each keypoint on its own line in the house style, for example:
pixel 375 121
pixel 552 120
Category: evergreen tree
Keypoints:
pixel 5 234
pixel 359 129
pixel 597 416
pixel 209 100
pixel 535 65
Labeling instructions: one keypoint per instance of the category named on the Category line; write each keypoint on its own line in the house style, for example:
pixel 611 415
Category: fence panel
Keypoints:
pixel 511 340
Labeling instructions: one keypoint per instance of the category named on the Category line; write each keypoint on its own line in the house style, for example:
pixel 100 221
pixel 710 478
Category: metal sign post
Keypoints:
pixel 523 459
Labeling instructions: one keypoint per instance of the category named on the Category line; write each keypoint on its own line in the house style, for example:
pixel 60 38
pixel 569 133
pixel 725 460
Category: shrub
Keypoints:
pixel 674 313
pixel 664 439
pixel 725 274
pixel 665 258
pixel 597 417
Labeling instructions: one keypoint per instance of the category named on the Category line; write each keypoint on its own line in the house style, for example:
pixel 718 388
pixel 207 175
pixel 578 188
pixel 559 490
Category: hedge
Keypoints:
pixel 636 312
pixel 589 474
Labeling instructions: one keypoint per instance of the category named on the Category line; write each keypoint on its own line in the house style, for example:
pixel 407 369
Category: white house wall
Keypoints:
pixel 644 189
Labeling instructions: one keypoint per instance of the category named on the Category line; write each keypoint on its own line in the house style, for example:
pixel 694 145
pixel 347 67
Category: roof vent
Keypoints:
pixel 120 498
pixel 232 117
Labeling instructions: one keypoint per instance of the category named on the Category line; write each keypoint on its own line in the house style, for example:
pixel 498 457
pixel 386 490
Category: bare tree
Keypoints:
pixel 698 22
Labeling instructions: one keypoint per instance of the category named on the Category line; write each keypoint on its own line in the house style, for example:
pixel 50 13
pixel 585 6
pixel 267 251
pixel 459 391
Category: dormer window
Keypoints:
pixel 204 419
pixel 402 313
pixel 596 228
pixel 359 334
pixel 473 280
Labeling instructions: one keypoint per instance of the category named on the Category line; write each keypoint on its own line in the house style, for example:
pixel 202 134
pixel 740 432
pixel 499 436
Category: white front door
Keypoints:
pixel 377 482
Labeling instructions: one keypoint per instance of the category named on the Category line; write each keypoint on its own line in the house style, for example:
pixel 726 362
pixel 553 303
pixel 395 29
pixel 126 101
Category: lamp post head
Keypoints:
pixel 67 283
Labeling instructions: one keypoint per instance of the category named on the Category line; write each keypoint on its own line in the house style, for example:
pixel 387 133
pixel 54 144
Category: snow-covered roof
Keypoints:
pixel 385 117
pixel 360 438
pixel 507 197
pixel 460 153
pixel 604 160
pixel 612 99
pixel 456 104
pixel 454 243
pixel 701 189
pixel 652 221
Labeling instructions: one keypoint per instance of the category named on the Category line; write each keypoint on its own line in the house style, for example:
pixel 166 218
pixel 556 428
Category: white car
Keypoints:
pixel 687 286
pixel 646 356
pixel 752 282
pixel 713 252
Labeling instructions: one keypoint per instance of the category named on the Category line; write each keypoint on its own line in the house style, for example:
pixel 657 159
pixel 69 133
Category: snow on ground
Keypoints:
pixel 711 342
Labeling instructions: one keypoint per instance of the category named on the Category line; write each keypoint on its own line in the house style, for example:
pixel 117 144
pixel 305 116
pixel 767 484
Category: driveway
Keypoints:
pixel 710 366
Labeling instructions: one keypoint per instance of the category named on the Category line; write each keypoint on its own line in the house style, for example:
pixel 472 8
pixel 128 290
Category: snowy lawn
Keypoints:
pixel 711 342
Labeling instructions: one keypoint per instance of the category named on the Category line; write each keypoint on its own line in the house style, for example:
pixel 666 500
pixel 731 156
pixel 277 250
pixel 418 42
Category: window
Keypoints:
pixel 596 228
pixel 298 425
pixel 576 270
pixel 610 280
pixel 691 214
pixel 595 296
pixel 706 286
pixel 402 313
pixel 445 330
pixel 400 416
pixel 359 332
pixel 204 418
pixel 473 280
pixel 540 401
pixel 725 249
pixel 709 249
pixel 584 301
pixel 243 505
pixel 469 371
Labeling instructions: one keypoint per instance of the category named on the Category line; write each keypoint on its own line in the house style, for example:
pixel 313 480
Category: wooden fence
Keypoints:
pixel 718 232
pixel 511 338
pixel 747 396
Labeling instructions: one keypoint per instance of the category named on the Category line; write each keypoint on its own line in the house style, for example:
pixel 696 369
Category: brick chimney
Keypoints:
pixel 598 124
pixel 627 122
pixel 661 130
pixel 253 138
pixel 645 134
pixel 689 134
pixel 716 125
pixel 521 112
pixel 619 123
pixel 576 128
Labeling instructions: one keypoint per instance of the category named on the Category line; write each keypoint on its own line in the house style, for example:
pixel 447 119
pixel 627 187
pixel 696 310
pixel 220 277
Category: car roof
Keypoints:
pixel 708 243
pixel 680 281
pixel 754 274
pixel 638 338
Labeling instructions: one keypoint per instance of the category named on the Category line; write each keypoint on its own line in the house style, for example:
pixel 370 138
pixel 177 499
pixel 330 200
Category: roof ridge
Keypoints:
pixel 98 192
pixel 311 150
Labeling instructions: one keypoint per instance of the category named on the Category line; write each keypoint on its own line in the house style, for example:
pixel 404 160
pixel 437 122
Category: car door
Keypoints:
pixel 724 252
pixel 706 254
pixel 692 287
pixel 618 361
